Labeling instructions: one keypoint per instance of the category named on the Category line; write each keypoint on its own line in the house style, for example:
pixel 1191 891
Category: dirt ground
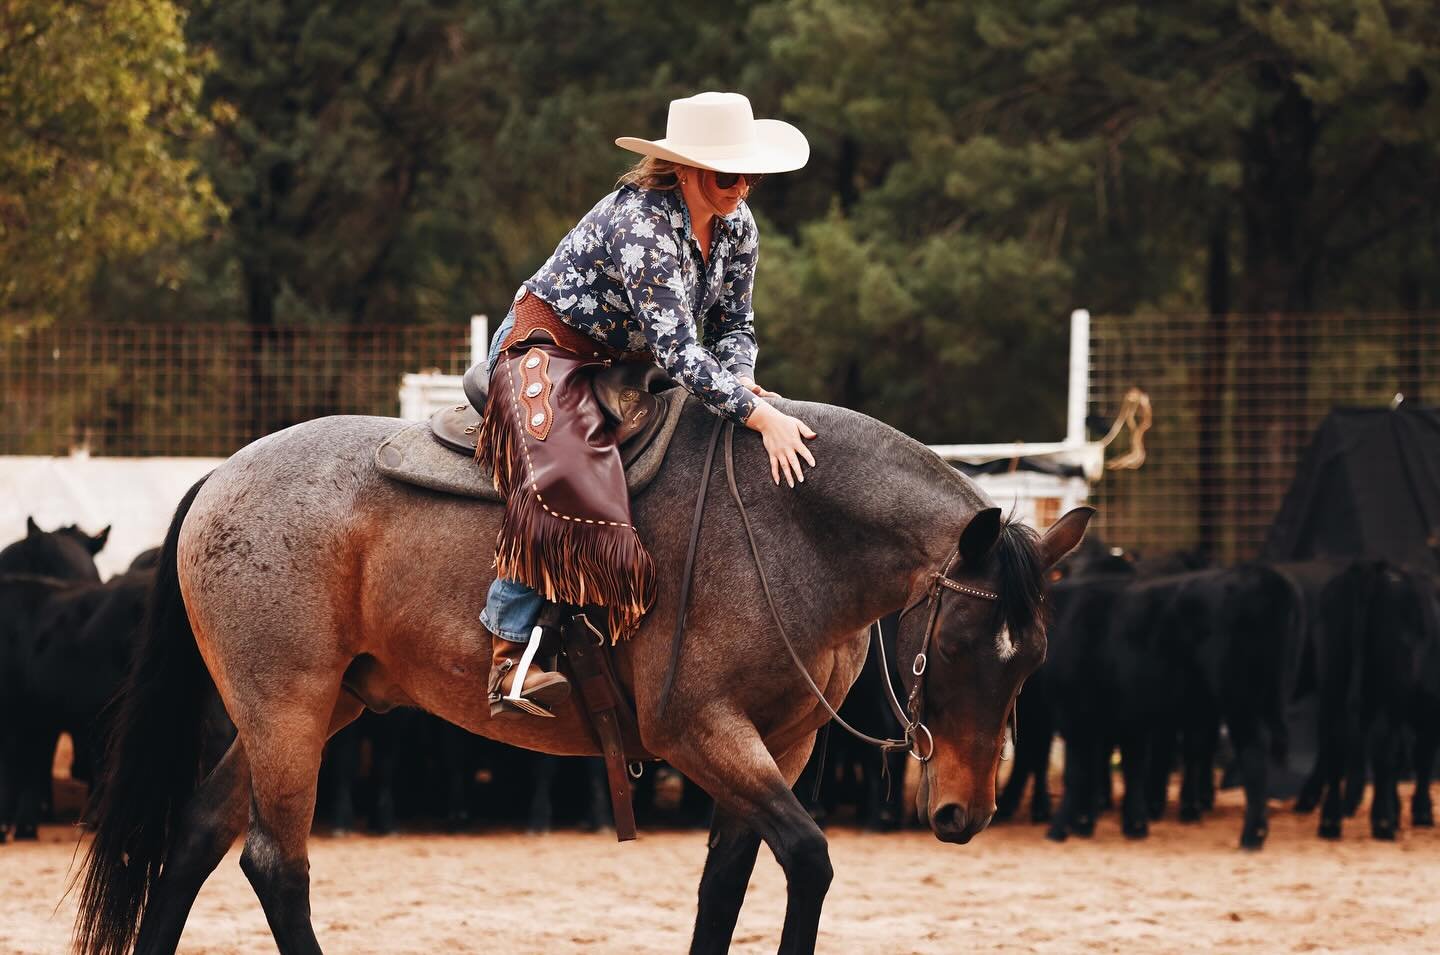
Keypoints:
pixel 1187 888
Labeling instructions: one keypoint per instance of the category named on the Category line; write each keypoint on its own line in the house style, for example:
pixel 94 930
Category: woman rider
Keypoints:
pixel 661 270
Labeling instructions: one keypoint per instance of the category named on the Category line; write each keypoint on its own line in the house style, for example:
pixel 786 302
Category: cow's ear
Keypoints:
pixel 31 528
pixel 98 541
pixel 1065 535
pixel 979 536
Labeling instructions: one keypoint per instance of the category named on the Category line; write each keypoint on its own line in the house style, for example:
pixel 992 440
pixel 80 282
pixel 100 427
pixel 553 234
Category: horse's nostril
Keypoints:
pixel 950 818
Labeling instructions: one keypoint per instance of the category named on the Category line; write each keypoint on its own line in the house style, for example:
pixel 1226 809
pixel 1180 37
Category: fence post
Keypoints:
pixel 479 338
pixel 1079 375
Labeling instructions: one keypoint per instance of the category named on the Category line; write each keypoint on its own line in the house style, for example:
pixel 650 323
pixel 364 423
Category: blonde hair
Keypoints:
pixel 652 172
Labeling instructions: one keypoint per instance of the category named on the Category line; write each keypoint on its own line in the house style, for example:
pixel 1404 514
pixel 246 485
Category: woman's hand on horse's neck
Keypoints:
pixel 880 500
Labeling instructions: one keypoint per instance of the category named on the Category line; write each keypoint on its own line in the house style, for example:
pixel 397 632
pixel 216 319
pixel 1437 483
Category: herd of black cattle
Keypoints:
pixel 1182 669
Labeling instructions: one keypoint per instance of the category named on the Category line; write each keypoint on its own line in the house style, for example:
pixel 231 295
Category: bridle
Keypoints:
pixel 911 716
pixel 914 713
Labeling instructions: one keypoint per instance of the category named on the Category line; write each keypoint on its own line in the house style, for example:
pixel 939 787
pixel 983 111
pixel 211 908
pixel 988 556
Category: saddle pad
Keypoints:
pixel 412 455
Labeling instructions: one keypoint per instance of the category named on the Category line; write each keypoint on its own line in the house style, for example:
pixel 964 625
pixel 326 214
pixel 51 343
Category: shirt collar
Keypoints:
pixel 731 223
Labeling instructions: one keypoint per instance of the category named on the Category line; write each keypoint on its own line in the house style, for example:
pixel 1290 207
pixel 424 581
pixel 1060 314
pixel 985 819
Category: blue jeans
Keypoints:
pixel 511 608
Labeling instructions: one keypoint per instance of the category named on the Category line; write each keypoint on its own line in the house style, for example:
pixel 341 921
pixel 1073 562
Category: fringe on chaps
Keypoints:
pixel 567 531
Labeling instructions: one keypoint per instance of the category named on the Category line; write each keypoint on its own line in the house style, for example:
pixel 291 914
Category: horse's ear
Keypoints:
pixel 980 535
pixel 98 541
pixel 1065 535
pixel 31 528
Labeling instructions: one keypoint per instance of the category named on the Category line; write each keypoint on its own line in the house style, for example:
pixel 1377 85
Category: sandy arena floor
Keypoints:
pixel 1185 889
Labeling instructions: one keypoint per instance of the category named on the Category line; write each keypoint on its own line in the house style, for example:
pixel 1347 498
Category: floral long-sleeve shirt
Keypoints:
pixel 630 274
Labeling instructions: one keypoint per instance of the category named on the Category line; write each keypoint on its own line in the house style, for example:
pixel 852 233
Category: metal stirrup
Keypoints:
pixel 526 659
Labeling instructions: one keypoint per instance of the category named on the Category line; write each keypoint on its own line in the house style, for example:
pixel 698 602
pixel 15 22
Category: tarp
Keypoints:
pixel 1368 486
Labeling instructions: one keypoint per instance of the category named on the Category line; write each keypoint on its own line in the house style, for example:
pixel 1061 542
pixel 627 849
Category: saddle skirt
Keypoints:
pixel 439 454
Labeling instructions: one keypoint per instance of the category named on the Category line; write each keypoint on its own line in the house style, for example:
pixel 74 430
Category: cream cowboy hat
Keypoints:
pixel 717 131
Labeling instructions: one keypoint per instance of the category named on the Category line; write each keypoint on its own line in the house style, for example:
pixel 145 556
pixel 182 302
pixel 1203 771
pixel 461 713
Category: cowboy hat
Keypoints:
pixel 717 131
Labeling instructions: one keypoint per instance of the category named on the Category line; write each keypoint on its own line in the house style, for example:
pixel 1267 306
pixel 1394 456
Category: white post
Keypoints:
pixel 1079 376
pixel 479 338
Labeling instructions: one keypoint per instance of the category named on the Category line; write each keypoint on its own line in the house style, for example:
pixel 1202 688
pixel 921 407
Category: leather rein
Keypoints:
pixel 911 716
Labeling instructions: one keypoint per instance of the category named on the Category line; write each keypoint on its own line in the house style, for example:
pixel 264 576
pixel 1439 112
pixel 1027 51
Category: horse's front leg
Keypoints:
pixel 754 802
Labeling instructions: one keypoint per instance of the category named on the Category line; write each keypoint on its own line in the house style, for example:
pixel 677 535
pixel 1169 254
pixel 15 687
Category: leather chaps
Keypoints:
pixel 567 531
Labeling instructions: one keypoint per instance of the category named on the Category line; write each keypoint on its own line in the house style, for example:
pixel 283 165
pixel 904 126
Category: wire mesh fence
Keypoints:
pixel 181 390
pixel 1235 399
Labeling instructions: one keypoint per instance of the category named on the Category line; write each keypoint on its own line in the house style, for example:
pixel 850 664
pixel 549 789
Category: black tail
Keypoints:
pixel 152 765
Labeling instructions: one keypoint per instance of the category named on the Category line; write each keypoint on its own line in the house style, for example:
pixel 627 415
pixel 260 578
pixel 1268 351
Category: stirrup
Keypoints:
pixel 509 703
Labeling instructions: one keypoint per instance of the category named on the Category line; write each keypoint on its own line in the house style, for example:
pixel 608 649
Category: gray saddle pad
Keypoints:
pixel 412 455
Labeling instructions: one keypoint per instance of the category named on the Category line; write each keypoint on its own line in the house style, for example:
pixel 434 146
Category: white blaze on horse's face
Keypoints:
pixel 1005 644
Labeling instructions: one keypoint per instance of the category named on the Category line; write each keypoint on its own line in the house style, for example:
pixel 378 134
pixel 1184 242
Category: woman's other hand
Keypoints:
pixel 753 388
pixel 784 439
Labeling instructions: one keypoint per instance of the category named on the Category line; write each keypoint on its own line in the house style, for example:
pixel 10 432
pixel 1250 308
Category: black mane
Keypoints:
pixel 1021 579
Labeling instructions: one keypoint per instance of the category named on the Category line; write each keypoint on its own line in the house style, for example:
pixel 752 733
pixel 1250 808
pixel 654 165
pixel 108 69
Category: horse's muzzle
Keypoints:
pixel 952 823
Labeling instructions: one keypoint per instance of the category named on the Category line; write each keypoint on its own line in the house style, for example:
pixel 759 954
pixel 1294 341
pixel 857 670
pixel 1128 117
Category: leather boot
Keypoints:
pixel 539 693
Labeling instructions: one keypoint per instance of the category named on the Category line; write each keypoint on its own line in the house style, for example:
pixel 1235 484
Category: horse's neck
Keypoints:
pixel 880 511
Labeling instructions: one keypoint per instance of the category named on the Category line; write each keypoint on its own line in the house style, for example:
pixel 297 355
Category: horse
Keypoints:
pixel 304 586
pixel 67 553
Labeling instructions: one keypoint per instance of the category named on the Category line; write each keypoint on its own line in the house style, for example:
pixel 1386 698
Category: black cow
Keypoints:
pixel 64 652
pixel 67 553
pixel 1377 670
pixel 1144 660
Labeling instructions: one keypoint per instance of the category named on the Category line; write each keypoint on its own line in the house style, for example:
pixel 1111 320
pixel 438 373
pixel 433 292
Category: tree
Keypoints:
pixel 96 107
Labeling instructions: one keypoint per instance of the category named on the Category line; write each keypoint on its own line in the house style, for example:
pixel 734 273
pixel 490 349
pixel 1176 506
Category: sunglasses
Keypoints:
pixel 726 180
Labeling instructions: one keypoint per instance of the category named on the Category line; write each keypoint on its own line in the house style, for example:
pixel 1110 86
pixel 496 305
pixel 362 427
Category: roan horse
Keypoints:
pixel 309 586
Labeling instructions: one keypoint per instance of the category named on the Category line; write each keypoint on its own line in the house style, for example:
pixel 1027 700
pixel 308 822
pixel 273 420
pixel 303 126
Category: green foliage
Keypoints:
pixel 977 169
pixel 96 108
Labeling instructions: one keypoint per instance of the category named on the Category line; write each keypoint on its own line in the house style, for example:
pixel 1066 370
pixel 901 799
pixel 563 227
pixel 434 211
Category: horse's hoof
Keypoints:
pixel 1189 813
pixel 1056 835
pixel 1084 829
pixel 1137 832
pixel 1422 817
pixel 1039 815
pixel 1330 829
pixel 1304 805
pixel 1003 814
pixel 1384 831
pixel 26 834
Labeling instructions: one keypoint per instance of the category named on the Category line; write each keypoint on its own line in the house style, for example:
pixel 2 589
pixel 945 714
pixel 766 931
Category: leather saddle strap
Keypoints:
pixel 583 651
pixel 677 640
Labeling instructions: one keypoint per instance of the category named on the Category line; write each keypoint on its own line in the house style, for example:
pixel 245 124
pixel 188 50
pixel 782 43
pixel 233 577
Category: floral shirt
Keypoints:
pixel 630 274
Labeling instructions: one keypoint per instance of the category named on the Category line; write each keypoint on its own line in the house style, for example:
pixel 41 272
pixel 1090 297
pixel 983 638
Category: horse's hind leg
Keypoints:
pixel 284 751
pixel 213 818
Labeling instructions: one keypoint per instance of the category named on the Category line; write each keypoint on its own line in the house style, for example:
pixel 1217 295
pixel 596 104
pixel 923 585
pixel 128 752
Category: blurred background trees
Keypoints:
pixel 977 169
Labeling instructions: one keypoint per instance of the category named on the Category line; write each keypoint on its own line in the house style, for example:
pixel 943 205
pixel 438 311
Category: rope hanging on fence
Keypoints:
pixel 1136 417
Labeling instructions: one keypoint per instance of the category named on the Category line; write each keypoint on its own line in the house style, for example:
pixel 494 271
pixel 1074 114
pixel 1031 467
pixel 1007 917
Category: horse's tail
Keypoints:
pixel 152 764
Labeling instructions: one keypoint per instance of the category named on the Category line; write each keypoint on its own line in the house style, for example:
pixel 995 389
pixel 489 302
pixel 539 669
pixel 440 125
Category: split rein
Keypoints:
pixel 911 715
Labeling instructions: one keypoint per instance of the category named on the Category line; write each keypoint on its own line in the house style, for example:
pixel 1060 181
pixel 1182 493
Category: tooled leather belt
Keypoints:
pixel 533 314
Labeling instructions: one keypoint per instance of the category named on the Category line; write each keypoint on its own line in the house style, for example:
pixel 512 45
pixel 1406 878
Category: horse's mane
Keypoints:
pixel 1021 585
